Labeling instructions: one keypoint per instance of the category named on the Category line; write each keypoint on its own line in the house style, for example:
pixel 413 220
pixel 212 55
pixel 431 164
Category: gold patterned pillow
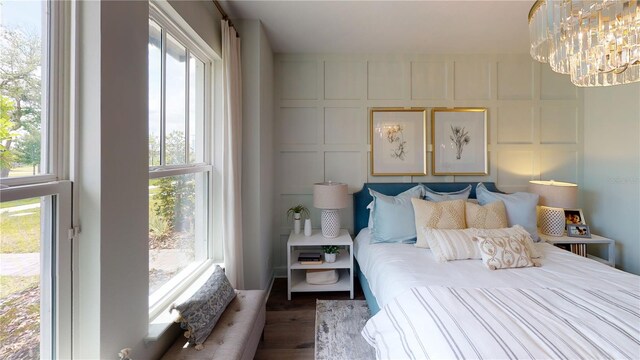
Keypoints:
pixel 437 215
pixel 514 230
pixel 505 252
pixel 490 216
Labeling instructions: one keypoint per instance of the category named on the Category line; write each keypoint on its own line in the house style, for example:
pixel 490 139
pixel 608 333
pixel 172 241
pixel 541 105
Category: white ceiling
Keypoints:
pixel 426 27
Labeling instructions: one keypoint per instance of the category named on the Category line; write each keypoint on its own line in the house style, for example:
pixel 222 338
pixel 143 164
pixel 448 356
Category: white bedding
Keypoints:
pixel 570 307
pixel 392 269
pixel 466 323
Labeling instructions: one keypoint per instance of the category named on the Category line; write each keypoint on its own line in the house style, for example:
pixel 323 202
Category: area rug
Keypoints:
pixel 338 326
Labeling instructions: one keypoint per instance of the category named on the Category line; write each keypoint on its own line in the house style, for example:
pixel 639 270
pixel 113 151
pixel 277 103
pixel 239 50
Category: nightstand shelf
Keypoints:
pixel 579 246
pixel 299 283
pixel 296 272
pixel 343 261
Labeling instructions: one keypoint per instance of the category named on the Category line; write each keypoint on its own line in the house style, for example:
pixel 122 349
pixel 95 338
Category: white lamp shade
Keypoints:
pixel 555 193
pixel 330 195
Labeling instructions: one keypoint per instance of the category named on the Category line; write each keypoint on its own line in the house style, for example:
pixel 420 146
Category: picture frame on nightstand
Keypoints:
pixel 578 230
pixel 574 216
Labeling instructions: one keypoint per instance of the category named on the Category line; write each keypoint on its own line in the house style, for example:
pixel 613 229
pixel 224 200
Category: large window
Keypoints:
pixel 180 73
pixel 35 205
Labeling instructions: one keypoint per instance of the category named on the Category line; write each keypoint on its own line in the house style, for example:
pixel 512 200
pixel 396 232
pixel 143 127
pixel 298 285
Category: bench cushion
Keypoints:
pixel 236 335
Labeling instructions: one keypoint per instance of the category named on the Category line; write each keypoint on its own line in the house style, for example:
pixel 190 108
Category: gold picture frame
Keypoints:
pixel 459 138
pixel 398 141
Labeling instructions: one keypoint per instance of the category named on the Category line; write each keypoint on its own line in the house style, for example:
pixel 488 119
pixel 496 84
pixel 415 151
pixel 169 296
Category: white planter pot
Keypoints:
pixel 296 226
pixel 330 258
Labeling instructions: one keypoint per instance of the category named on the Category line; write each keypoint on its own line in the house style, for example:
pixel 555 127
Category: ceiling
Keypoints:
pixel 425 27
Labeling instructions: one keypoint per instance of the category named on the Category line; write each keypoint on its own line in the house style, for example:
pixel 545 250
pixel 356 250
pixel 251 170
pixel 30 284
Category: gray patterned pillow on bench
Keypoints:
pixel 200 313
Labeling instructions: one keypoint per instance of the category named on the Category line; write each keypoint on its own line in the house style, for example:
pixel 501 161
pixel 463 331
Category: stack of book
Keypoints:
pixel 310 258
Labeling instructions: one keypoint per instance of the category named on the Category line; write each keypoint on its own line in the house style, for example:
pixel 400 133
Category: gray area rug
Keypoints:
pixel 338 326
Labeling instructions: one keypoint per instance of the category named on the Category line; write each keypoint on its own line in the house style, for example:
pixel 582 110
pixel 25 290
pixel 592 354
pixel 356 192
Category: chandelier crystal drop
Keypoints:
pixel 596 42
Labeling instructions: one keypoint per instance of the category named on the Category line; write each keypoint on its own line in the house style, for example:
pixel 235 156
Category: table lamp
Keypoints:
pixel 555 196
pixel 330 197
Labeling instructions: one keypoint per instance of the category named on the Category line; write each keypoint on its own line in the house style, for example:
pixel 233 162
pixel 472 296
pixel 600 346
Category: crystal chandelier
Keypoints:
pixel 597 42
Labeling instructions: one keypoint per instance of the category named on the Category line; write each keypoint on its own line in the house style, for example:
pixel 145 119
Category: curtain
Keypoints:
pixel 232 157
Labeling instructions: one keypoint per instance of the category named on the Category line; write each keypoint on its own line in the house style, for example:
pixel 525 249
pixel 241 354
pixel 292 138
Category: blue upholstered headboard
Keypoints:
pixel 362 198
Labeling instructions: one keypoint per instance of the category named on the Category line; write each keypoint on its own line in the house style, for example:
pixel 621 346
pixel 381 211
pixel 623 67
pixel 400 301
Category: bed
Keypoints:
pixel 569 307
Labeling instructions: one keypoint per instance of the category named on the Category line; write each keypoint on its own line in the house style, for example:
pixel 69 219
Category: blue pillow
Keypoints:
pixel 520 206
pixel 444 196
pixel 393 218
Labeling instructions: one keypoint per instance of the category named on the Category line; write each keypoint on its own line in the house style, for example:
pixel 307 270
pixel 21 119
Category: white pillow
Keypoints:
pixel 512 231
pixel 505 252
pixel 452 244
pixel 520 206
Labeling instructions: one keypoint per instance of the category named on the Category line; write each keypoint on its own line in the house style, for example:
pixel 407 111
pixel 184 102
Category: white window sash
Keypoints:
pixel 55 265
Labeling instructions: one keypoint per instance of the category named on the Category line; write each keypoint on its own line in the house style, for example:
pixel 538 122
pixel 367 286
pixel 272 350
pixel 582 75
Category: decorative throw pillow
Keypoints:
pixel 200 313
pixel 393 219
pixel 490 216
pixel 520 206
pixel 455 244
pixel 512 231
pixel 505 252
pixel 444 196
pixel 438 215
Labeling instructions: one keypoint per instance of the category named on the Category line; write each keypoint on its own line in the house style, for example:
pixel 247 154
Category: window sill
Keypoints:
pixel 161 323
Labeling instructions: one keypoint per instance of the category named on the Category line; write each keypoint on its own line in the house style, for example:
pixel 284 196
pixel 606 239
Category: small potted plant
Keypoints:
pixel 330 253
pixel 296 212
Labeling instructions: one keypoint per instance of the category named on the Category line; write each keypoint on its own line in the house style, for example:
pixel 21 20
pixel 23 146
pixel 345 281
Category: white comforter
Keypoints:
pixel 570 307
pixel 450 323
pixel 391 269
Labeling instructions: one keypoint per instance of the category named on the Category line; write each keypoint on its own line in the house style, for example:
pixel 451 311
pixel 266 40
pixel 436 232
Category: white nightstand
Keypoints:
pixel 579 245
pixel 296 272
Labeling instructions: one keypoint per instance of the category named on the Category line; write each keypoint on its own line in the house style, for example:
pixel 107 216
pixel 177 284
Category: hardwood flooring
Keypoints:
pixel 289 331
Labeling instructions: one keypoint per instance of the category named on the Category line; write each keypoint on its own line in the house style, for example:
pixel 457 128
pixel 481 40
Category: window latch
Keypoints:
pixel 73 232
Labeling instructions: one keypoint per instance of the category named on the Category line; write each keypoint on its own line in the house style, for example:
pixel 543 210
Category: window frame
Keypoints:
pixel 170 21
pixel 57 256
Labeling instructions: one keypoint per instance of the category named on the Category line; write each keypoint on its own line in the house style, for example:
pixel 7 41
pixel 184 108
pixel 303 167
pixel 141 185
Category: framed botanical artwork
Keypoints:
pixel 459 138
pixel 398 141
pixel 574 216
pixel 578 230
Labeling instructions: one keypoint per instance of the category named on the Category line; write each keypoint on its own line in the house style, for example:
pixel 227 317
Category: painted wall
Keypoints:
pixel 204 18
pixel 322 120
pixel 112 298
pixel 257 156
pixel 110 280
pixel 611 185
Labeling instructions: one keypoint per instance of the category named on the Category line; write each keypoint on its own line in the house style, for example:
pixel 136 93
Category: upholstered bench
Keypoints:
pixel 235 336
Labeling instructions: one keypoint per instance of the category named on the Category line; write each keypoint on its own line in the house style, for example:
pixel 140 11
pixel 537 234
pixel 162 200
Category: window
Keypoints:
pixel 35 204
pixel 180 171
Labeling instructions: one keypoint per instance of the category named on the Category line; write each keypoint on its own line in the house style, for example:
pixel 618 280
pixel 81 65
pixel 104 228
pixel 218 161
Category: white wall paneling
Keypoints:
pixel 515 123
pixel 559 124
pixel 299 80
pixel 298 126
pixel 429 80
pixel 559 164
pixel 386 80
pixel 323 131
pixel 472 80
pixel 515 79
pixel 343 80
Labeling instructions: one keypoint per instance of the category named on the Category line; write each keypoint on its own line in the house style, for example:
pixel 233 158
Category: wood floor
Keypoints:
pixel 289 331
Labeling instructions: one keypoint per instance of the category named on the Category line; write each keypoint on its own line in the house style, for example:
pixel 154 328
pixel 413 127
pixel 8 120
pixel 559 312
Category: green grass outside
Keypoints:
pixel 14 284
pixel 20 234
pixel 10 204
